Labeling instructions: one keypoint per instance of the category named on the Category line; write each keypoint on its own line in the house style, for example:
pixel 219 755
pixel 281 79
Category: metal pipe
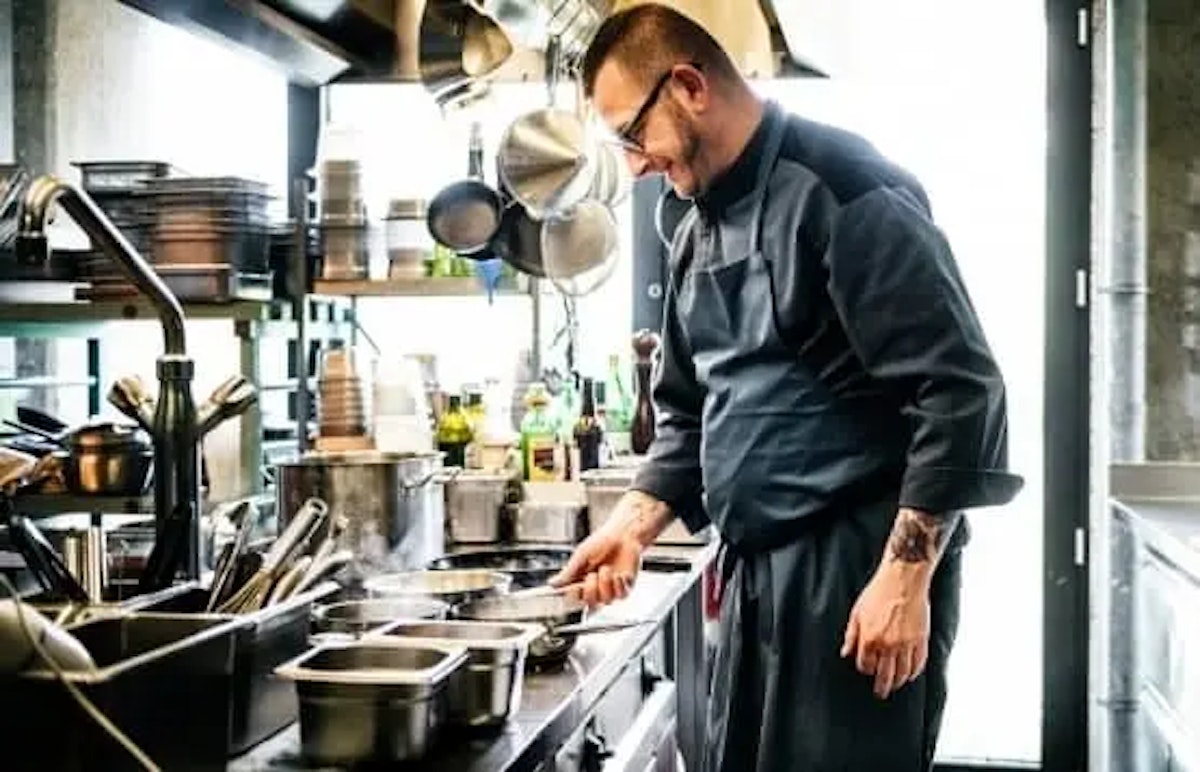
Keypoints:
pixel 176 452
pixel 1127 270
pixel 32 244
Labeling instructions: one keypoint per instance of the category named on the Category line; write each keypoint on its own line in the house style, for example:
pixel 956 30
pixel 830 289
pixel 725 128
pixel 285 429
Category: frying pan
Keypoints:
pixel 466 215
pixel 528 566
pixel 561 615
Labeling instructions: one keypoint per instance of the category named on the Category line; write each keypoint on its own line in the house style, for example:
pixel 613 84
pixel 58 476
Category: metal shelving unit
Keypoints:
pixel 251 323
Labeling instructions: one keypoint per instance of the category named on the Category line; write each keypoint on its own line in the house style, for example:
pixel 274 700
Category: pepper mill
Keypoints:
pixel 645 347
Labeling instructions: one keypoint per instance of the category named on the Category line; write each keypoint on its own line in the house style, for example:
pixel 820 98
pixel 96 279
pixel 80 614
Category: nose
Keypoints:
pixel 639 164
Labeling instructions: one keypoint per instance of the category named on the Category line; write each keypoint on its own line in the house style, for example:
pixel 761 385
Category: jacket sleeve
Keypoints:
pixel 894 284
pixel 671 471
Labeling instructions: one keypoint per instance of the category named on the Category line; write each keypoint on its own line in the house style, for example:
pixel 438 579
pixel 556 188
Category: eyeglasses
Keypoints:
pixel 629 135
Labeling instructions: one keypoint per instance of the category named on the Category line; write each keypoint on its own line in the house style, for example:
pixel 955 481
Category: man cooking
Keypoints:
pixel 826 398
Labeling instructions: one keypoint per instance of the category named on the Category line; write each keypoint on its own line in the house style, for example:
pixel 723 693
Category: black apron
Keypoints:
pixel 782 698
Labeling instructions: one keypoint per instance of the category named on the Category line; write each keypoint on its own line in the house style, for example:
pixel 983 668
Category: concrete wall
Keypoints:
pixel 96 80
pixel 1173 230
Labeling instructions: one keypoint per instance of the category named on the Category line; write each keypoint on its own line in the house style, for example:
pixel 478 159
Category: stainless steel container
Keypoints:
pixel 371 702
pixel 605 487
pixel 547 522
pixel 474 505
pixel 394 505
pixel 146 664
pixel 487 690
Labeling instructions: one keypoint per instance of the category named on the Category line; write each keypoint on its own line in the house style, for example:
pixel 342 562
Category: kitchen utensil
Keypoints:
pixel 669 212
pixel 355 617
pixel 225 571
pixel 287 583
pixel 41 559
pixel 466 215
pixel 474 503
pixel 519 241
pixel 579 248
pixel 393 503
pixel 31 416
pixel 106 473
pixel 256 592
pixel 487 690
pixel 458 47
pixel 86 558
pixel 528 566
pixel 547 522
pixel 452 587
pixel 544 161
pixel 371 702
pixel 542 590
pixel 323 567
pixel 560 615
pixel 15 469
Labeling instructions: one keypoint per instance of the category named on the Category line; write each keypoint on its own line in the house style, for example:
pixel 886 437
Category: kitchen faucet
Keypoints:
pixel 174 432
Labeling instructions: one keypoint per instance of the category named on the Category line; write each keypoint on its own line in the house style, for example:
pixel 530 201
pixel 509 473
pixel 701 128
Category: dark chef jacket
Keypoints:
pixel 819 348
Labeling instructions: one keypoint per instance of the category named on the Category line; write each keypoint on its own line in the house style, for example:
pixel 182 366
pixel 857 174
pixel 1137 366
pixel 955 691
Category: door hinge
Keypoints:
pixel 1081 288
pixel 1080 547
pixel 1083 27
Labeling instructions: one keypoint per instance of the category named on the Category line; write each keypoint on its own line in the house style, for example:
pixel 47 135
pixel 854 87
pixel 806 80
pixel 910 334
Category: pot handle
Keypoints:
pixel 442 476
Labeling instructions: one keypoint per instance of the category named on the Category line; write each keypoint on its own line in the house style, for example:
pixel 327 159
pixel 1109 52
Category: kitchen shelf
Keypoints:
pixel 466 286
pixel 40 505
pixel 45 382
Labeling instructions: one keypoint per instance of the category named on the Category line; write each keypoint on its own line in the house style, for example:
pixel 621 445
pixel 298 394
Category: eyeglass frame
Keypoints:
pixel 626 137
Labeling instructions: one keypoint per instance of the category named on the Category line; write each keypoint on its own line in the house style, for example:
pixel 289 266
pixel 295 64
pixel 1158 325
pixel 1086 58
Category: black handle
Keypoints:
pixel 43 561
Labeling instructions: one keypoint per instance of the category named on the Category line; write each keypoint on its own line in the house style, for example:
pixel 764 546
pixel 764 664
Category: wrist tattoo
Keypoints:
pixel 919 537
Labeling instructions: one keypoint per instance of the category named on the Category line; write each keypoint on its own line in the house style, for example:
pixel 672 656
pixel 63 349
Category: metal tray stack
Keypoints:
pixel 118 188
pixel 210 237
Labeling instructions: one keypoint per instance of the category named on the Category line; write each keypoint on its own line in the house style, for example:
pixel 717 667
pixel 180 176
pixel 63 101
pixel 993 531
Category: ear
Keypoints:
pixel 692 86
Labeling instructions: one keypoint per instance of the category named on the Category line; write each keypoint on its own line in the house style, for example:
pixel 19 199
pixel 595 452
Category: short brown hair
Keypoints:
pixel 647 39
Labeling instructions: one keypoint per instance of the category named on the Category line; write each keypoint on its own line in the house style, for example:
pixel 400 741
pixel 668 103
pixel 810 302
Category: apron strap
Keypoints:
pixel 777 125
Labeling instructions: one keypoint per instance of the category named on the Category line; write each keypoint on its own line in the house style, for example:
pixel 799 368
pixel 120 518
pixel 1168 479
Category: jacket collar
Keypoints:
pixel 738 181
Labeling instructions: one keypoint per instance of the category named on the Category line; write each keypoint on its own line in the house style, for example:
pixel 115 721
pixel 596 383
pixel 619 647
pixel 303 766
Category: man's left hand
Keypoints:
pixel 888 632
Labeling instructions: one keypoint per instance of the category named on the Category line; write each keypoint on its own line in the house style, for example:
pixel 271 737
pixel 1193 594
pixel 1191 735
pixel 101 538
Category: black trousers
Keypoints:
pixel 782 697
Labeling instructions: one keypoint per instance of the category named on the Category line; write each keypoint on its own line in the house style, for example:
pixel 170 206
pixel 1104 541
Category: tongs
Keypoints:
pixel 256 592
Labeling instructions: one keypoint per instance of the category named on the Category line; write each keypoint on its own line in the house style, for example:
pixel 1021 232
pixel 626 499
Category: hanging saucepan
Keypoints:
pixel 458 46
pixel 465 216
pixel 668 215
pixel 579 248
pixel 518 241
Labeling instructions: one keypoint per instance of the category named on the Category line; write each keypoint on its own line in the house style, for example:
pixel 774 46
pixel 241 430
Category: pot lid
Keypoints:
pixel 360 458
pixel 108 435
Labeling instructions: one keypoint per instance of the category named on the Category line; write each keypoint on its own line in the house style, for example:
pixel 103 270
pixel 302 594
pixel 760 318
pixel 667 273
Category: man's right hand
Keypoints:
pixel 606 563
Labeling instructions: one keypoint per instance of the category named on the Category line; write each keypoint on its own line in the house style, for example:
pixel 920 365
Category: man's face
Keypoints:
pixel 657 125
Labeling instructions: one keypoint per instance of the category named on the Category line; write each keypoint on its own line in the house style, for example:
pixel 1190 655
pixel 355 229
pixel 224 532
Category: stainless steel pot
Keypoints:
pixel 393 504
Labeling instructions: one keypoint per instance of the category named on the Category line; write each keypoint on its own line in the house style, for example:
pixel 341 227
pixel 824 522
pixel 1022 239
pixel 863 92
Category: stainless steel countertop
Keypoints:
pixel 1170 526
pixel 554 703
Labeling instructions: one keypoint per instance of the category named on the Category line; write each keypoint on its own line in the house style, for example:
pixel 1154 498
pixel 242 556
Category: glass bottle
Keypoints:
pixel 588 433
pixel 476 416
pixel 539 438
pixel 454 433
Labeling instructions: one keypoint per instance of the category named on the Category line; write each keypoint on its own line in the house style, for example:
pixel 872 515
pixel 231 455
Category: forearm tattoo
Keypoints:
pixel 919 537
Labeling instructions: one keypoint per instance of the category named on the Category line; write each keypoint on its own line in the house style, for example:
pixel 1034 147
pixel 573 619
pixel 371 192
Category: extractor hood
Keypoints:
pixel 323 41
